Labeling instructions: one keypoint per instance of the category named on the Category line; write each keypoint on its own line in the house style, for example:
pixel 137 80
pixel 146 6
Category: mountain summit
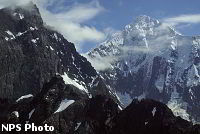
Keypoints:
pixel 149 59
pixel 32 53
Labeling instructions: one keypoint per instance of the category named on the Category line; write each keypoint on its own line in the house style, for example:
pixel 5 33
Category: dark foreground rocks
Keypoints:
pixel 98 115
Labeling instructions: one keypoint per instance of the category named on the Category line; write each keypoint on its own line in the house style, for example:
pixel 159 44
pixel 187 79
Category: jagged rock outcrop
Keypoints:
pixel 31 53
pixel 150 117
pixel 98 115
pixel 42 73
pixel 38 109
pixel 44 109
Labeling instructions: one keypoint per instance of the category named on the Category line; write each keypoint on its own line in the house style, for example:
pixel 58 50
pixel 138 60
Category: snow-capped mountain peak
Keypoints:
pixel 151 59
pixel 142 23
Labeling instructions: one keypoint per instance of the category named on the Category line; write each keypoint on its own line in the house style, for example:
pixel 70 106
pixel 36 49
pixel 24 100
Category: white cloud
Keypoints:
pixel 5 3
pixel 73 31
pixel 101 63
pixel 69 20
pixel 109 31
pixel 186 18
pixel 82 12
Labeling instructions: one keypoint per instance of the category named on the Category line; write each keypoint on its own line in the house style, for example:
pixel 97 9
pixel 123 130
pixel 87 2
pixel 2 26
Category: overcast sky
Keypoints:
pixel 87 22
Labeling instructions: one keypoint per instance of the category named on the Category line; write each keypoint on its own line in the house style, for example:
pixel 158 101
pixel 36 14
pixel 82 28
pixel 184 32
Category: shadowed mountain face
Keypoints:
pixel 98 115
pixel 149 116
pixel 31 53
pixel 148 59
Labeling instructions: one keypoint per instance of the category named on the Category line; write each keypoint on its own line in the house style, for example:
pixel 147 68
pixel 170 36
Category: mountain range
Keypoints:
pixel 149 59
pixel 145 68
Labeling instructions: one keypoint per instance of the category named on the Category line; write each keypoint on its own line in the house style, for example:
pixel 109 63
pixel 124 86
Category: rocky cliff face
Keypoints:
pixel 151 60
pixel 71 111
pixel 31 53
pixel 43 79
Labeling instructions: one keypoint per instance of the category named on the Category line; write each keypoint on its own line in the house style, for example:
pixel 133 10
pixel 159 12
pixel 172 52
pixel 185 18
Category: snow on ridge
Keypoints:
pixel 11 34
pixel 51 48
pixel 34 40
pixel 179 109
pixel 120 108
pixel 30 114
pixel 33 28
pixel 91 84
pixel 24 97
pixel 16 113
pixel 125 98
pixel 6 38
pixel 154 111
pixel 21 33
pixel 178 106
pixel 21 16
pixel 64 104
pixel 56 36
pixel 68 80
pixel 78 125
pixel 142 96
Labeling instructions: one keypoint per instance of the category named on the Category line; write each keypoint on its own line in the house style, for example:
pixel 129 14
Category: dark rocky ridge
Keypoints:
pixel 31 53
pixel 150 117
pixel 99 115
pixel 44 104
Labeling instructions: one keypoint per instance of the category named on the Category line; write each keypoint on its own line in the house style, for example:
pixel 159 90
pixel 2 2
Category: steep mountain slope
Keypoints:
pixel 149 59
pixel 31 53
pixel 43 79
pixel 97 115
